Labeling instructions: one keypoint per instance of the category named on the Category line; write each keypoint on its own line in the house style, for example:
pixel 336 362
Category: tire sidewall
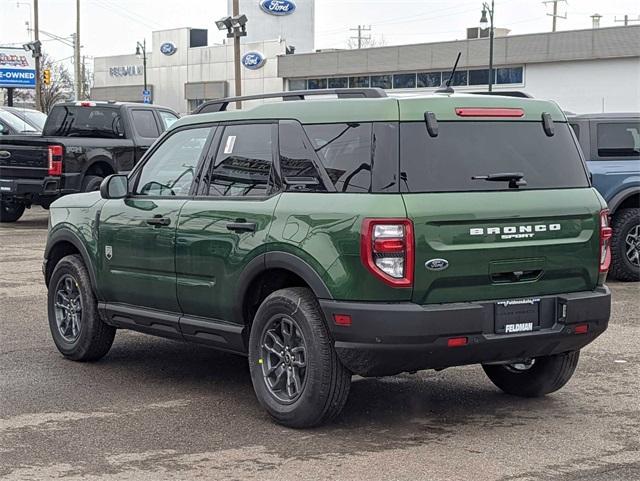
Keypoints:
pixel 72 265
pixel 313 396
pixel 92 183
pixel 623 269
pixel 11 212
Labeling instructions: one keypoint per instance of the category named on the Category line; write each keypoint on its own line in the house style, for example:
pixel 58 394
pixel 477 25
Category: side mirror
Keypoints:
pixel 115 186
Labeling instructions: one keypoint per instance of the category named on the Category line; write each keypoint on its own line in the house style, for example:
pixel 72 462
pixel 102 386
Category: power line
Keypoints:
pixel 360 37
pixel 555 14
pixel 626 20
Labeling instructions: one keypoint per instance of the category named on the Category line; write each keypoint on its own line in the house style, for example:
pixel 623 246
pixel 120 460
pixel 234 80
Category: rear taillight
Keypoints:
pixel 55 159
pixel 387 250
pixel 605 241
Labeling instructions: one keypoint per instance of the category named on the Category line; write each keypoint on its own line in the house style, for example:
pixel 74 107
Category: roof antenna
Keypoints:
pixel 445 88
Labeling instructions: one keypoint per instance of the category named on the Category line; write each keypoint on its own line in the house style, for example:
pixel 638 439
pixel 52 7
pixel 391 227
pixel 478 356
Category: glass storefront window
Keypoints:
pixel 338 83
pixel 297 84
pixel 358 82
pixel 404 81
pixel 479 77
pixel 382 81
pixel 459 78
pixel 509 75
pixel 316 83
pixel 429 79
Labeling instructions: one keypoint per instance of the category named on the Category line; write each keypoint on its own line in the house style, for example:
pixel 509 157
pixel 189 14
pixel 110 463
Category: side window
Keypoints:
pixel 345 151
pixel 619 139
pixel 243 162
pixel 576 129
pixel 145 123
pixel 168 119
pixel 171 168
pixel 296 156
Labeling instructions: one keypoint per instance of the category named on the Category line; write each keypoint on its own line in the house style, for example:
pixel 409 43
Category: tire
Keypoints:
pixel 11 212
pixel 89 339
pixel 323 383
pixel 625 264
pixel 546 375
pixel 91 183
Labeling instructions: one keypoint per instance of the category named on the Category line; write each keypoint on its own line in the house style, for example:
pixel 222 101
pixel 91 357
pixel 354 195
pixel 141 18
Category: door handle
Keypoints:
pixel 240 225
pixel 159 221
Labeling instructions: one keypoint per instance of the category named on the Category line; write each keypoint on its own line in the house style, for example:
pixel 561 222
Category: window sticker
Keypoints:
pixel 231 142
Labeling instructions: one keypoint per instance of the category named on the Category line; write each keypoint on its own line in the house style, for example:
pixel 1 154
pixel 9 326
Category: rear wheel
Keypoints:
pixel 76 328
pixel 91 183
pixel 625 245
pixel 296 373
pixel 10 211
pixel 536 377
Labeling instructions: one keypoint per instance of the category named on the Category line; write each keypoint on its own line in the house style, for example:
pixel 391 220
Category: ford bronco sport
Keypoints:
pixel 354 235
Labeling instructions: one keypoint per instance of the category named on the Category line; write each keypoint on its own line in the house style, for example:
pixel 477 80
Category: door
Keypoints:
pixel 137 234
pixel 224 228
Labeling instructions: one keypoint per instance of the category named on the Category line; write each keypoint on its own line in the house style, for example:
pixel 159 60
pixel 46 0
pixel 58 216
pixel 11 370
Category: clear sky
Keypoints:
pixel 111 27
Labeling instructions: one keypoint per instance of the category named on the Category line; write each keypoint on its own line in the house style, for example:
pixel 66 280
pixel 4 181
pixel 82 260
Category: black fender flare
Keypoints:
pixel 65 235
pixel 277 260
pixel 620 197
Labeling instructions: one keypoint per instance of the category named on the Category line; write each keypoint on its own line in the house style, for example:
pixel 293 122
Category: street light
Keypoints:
pixel 484 23
pixel 236 27
pixel 141 52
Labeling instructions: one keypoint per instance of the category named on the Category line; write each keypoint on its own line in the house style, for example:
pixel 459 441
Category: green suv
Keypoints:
pixel 328 237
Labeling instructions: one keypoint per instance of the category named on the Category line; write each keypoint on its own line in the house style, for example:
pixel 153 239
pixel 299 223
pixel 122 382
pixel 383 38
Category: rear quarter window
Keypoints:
pixel 77 121
pixel 620 139
pixel 466 149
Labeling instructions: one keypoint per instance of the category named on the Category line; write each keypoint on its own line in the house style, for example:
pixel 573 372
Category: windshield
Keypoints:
pixel 77 121
pixel 483 156
pixel 15 122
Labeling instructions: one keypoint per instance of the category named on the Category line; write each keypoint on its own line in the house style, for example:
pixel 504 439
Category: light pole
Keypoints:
pixel 483 25
pixel 236 28
pixel 141 52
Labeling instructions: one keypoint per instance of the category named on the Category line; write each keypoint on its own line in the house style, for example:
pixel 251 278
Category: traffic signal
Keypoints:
pixel 46 76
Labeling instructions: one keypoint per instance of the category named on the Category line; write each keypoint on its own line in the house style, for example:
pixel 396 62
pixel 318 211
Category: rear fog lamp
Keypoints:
pixel 581 329
pixel 457 341
pixel 342 319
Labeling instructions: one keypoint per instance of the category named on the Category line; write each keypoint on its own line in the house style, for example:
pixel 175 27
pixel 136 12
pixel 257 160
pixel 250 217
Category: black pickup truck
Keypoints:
pixel 81 143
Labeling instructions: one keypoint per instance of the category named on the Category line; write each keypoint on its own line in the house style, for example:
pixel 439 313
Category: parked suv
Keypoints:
pixel 611 144
pixel 330 237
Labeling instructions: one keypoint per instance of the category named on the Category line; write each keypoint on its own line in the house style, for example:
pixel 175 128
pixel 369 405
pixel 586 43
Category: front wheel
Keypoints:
pixel 10 211
pixel 535 377
pixel 91 183
pixel 296 373
pixel 76 328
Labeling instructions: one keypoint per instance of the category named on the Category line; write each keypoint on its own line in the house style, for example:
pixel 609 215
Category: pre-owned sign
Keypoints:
pixel 17 68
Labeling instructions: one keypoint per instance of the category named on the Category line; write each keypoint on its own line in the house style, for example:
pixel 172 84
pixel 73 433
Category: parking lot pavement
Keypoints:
pixel 155 409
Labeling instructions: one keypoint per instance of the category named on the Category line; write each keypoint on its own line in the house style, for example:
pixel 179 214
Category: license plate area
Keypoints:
pixel 6 186
pixel 517 315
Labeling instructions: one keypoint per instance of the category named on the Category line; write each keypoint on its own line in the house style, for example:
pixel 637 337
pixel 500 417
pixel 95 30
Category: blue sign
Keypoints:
pixel 168 48
pixel 278 7
pixel 253 60
pixel 17 69
pixel 146 96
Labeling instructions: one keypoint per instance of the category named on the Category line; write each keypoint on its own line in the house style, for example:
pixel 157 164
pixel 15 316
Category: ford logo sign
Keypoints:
pixel 168 48
pixel 278 7
pixel 253 60
pixel 436 264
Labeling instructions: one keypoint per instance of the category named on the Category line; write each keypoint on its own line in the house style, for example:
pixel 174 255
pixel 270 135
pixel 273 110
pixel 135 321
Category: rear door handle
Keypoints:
pixel 159 221
pixel 240 225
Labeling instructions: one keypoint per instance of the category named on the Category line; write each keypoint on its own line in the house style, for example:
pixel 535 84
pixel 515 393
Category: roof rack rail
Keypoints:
pixel 506 93
pixel 220 105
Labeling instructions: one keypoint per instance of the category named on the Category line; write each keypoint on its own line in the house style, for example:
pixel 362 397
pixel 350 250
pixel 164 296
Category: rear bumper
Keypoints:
pixel 386 339
pixel 38 191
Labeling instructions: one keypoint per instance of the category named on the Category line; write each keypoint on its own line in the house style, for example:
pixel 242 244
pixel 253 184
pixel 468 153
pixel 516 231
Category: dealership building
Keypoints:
pixel 593 70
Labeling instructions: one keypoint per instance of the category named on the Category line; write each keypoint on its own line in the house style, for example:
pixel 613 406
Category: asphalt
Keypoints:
pixel 156 409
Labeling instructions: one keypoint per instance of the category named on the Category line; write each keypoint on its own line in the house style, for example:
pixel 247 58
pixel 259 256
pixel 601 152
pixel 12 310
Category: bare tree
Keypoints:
pixel 367 42
pixel 61 87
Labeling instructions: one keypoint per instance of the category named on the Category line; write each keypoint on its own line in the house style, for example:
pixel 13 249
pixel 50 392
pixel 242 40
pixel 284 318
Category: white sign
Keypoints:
pixel 17 68
pixel 125 71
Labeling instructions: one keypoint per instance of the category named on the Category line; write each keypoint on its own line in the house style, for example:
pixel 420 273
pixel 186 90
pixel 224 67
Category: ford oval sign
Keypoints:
pixel 168 48
pixel 278 7
pixel 253 60
pixel 436 264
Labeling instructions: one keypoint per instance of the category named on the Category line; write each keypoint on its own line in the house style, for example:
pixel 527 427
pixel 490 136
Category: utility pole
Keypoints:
pixel 78 78
pixel 555 15
pixel 360 38
pixel 626 20
pixel 36 39
pixel 236 57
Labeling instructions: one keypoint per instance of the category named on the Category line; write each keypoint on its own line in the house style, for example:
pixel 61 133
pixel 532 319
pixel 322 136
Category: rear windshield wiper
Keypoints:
pixel 515 179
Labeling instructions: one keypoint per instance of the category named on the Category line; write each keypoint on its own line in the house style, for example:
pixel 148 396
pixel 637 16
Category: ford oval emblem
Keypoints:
pixel 253 60
pixel 278 7
pixel 168 48
pixel 437 264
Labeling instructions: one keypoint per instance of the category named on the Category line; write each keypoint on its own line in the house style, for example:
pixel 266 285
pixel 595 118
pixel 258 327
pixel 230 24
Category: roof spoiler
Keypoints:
pixel 506 93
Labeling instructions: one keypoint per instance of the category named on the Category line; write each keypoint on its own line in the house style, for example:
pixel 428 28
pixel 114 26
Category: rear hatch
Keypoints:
pixel 23 157
pixel 479 239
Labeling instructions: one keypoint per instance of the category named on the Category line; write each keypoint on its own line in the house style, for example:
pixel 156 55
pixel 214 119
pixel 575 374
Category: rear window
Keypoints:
pixel 462 150
pixel 76 121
